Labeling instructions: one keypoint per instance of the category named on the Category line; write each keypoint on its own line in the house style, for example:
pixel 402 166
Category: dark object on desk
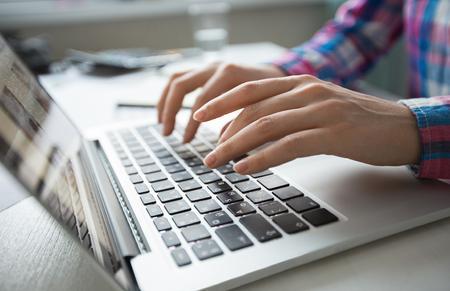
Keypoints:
pixel 131 59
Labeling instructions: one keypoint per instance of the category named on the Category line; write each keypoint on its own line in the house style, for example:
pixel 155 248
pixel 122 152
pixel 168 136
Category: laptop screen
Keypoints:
pixel 36 138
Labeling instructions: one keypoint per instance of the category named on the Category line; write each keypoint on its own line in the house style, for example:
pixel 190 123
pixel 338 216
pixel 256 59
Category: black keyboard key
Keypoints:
pixel 185 219
pixel 126 162
pixel 154 210
pixel 233 237
pixel 136 179
pixel 272 182
pixel 200 170
pixel 168 161
pixel 260 228
pixel 180 149
pixel 290 223
pixel 302 204
pixel 163 154
pixel 141 188
pixel 204 154
pixel 202 148
pixel 150 169
pixel 170 195
pixel 141 155
pixel 162 186
pixel 175 168
pixel 197 195
pixel 181 257
pixel 187 155
pixel 225 169
pixel 147 199
pixel 206 206
pixel 131 170
pixel 273 208
pixel 247 186
pixel 135 148
pixel 287 193
pixel 156 177
pixel 319 217
pixel 145 162
pixel 155 146
pixel 219 187
pixel 241 208
pixel 162 223
pixel 262 174
pixel 217 218
pixel 194 162
pixel 236 178
pixel 177 207
pixel 122 155
pixel 229 197
pixel 170 239
pixel 206 249
pixel 259 196
pixel 209 178
pixel 189 185
pixel 181 176
pixel 196 232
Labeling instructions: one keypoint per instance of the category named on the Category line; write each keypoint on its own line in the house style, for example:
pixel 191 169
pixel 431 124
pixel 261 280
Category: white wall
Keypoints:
pixel 286 25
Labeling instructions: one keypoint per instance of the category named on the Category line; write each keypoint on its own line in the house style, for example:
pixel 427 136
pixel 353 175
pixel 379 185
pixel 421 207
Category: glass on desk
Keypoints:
pixel 210 25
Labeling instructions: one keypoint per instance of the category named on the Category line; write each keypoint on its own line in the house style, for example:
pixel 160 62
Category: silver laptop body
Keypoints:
pixel 156 220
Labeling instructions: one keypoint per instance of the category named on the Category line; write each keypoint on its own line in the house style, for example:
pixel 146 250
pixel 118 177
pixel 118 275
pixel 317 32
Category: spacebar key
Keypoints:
pixel 261 229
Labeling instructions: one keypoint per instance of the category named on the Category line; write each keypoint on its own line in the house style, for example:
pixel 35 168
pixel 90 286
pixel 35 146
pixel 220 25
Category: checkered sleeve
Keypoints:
pixel 433 120
pixel 347 46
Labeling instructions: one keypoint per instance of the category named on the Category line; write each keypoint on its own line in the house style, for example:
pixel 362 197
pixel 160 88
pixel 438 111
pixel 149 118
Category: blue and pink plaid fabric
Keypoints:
pixel 362 31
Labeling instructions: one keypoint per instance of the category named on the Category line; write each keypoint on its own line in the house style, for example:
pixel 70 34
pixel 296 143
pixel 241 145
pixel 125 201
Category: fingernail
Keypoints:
pixel 199 115
pixel 210 159
pixel 241 166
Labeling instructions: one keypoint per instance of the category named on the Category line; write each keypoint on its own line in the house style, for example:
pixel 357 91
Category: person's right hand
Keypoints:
pixel 215 79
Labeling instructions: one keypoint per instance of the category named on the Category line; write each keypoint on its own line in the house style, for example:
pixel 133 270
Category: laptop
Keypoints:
pixel 156 218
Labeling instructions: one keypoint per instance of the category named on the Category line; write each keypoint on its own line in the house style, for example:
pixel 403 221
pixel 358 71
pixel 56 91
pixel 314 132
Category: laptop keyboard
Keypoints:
pixel 172 174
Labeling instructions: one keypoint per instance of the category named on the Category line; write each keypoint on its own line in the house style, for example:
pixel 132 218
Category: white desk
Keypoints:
pixel 36 252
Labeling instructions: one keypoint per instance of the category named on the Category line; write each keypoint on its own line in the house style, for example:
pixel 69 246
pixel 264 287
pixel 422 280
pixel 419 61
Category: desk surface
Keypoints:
pixel 38 254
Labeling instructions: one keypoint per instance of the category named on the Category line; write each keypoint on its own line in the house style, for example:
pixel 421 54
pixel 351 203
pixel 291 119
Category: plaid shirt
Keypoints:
pixel 363 30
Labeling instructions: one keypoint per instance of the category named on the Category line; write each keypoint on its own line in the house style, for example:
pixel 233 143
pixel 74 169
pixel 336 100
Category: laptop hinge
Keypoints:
pixel 118 223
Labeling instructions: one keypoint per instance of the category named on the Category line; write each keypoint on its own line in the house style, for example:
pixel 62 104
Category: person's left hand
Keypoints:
pixel 305 116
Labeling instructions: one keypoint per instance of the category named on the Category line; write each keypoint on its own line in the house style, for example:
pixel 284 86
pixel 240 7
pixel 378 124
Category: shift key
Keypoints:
pixel 261 229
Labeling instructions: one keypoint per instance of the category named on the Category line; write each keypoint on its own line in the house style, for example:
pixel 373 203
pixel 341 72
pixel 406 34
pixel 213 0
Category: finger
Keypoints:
pixel 178 89
pixel 219 83
pixel 162 98
pixel 301 144
pixel 266 129
pixel 191 129
pixel 285 101
pixel 224 128
pixel 243 95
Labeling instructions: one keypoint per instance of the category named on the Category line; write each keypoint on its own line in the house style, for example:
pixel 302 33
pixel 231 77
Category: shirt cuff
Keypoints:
pixel 430 164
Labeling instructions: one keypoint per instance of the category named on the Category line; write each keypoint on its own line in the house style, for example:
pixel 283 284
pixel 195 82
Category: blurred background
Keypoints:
pixel 92 25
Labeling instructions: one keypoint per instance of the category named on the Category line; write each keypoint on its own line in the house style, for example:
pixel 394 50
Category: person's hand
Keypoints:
pixel 215 79
pixel 305 116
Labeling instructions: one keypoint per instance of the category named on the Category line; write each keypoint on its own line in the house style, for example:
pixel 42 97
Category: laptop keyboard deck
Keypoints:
pixel 168 174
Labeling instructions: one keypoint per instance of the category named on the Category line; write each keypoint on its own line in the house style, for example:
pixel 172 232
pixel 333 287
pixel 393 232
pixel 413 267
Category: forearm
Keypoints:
pixel 433 121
